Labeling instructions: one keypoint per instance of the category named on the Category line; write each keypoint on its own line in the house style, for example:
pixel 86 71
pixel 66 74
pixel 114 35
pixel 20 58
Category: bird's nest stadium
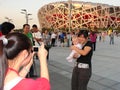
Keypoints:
pixel 77 14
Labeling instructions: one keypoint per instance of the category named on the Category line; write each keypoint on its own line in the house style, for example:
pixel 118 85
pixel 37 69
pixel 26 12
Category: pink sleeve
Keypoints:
pixel 45 84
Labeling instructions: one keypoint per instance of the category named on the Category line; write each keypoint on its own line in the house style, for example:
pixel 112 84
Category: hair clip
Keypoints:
pixel 5 41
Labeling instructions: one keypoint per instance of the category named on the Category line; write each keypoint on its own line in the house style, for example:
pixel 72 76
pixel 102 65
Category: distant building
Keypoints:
pixel 83 15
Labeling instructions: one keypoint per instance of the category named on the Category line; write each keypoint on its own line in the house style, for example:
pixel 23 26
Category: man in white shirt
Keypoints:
pixel 53 38
pixel 36 35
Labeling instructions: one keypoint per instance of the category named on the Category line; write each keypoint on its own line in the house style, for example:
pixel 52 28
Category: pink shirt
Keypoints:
pixel 31 84
pixel 93 37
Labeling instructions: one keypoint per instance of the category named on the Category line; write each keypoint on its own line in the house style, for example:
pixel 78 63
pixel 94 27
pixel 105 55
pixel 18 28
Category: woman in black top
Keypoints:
pixel 83 68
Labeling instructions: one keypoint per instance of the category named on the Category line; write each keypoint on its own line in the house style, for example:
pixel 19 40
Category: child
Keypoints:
pixel 78 45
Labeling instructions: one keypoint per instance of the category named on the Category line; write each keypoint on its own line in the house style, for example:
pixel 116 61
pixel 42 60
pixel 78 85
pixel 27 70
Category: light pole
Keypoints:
pixel 70 6
pixel 24 11
pixel 8 19
pixel 81 15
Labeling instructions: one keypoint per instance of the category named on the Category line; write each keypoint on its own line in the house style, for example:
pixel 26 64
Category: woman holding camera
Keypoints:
pixel 16 58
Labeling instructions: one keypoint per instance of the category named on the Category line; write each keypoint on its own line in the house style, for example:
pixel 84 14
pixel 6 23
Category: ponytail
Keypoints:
pixel 3 64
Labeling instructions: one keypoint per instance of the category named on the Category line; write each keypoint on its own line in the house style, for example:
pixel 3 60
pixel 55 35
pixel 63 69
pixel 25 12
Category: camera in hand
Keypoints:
pixel 35 49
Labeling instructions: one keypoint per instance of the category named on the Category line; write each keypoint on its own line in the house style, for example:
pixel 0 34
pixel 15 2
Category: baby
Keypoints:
pixel 78 45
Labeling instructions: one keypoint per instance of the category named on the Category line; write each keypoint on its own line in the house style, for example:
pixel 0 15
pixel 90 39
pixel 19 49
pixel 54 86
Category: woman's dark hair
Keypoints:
pixel 16 42
pixel 6 27
pixel 84 33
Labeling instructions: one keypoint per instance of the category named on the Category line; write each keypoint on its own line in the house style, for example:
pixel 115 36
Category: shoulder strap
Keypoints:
pixel 12 83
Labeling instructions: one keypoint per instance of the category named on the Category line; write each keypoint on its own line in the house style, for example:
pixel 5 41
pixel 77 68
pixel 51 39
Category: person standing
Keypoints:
pixel 103 36
pixel 83 69
pixel 26 31
pixel 100 36
pixel 6 28
pixel 61 37
pixel 37 36
pixel 93 38
pixel 47 40
pixel 53 38
pixel 111 38
pixel 68 39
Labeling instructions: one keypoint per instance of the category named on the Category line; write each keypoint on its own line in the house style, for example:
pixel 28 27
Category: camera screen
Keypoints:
pixel 35 49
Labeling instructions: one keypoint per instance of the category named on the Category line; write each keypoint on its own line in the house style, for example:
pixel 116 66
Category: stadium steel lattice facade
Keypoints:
pixel 79 15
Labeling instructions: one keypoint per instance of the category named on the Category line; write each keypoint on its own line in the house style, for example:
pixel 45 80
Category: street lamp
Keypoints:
pixel 8 19
pixel 24 11
pixel 70 6
pixel 81 15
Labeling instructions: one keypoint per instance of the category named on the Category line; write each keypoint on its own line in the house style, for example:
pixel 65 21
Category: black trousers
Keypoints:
pixel 94 45
pixel 80 78
pixel 111 40
pixel 53 42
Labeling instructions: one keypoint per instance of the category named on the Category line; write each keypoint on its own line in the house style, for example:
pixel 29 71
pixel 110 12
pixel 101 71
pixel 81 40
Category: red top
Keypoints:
pixel 0 33
pixel 31 84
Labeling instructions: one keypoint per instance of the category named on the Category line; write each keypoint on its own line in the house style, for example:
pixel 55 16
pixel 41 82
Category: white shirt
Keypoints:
pixel 37 35
pixel 53 35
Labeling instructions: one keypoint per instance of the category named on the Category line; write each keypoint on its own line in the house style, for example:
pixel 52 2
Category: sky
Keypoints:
pixel 12 9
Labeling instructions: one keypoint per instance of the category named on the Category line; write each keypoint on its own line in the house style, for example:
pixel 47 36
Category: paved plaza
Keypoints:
pixel 105 62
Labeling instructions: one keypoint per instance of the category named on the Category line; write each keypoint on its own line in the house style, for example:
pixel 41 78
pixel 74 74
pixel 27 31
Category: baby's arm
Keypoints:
pixel 78 46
